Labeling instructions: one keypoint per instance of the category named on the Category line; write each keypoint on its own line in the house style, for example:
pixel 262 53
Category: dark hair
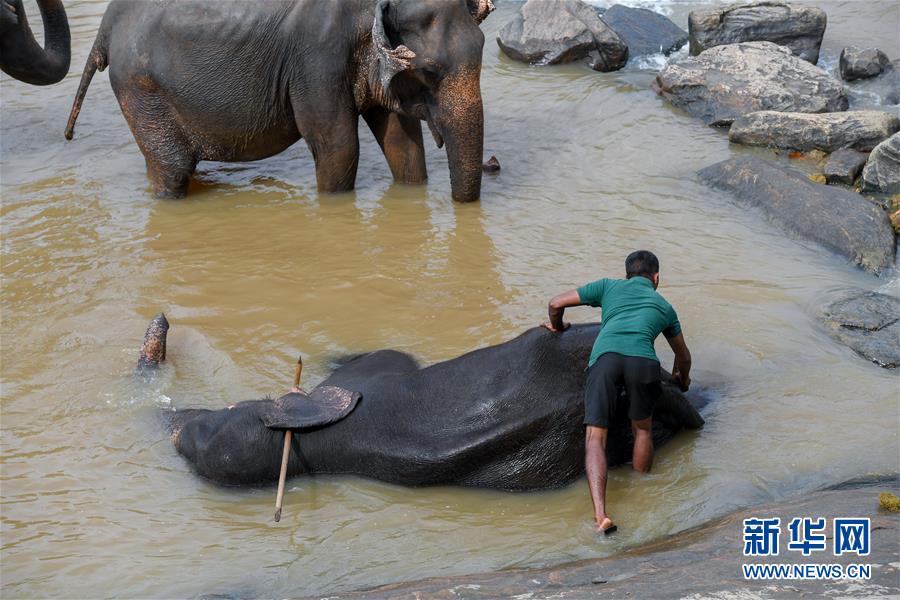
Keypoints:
pixel 641 262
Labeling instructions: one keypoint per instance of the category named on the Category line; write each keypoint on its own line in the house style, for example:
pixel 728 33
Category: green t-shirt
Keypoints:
pixel 634 314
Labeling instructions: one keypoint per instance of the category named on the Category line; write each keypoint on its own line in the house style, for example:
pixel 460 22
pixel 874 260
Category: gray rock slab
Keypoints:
pixel 645 32
pixel 726 82
pixel 858 129
pixel 549 32
pixel 867 322
pixel 837 219
pixel 882 170
pixel 844 166
pixel 799 27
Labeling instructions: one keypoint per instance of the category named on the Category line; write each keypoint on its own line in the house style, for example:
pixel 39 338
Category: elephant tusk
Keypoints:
pixel 438 138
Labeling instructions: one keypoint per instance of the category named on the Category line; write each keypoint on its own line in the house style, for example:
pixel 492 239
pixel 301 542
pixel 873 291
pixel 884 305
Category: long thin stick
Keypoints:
pixel 286 454
pixel 283 475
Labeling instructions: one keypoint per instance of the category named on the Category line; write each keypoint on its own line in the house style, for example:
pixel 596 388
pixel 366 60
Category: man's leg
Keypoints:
pixel 642 456
pixel 596 468
pixel 600 396
pixel 642 384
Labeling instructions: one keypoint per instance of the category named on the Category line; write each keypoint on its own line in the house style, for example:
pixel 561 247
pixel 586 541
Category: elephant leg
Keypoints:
pixel 334 143
pixel 167 152
pixel 400 138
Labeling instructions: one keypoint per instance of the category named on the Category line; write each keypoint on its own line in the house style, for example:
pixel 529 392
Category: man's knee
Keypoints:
pixel 595 435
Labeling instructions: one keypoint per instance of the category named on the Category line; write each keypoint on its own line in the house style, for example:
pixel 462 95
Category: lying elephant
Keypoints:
pixel 507 417
pixel 240 81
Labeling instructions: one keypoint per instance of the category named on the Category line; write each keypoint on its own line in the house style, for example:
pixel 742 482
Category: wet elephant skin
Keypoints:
pixel 506 417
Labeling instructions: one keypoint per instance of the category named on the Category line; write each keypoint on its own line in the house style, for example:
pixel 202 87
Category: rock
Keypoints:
pixel 549 32
pixel 883 90
pixel 644 31
pixel 882 170
pixel 862 63
pixel 838 219
pixel 726 82
pixel 795 26
pixel 858 129
pixel 868 322
pixel 844 166
pixel 491 166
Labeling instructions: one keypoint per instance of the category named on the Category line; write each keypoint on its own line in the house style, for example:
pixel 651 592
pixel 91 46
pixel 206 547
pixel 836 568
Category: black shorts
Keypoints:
pixel 638 376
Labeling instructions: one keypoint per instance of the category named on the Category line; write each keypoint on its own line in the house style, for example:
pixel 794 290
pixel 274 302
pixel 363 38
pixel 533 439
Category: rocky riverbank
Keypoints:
pixel 701 562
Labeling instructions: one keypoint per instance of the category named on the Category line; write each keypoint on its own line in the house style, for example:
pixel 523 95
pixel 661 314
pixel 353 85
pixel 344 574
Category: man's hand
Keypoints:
pixel 549 325
pixel 557 307
pixel 683 383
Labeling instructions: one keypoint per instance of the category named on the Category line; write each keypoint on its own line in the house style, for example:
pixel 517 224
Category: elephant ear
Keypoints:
pixel 480 9
pixel 391 61
pixel 325 405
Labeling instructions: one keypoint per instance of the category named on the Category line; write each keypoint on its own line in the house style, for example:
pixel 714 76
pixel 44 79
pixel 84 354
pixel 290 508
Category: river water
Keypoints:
pixel 254 268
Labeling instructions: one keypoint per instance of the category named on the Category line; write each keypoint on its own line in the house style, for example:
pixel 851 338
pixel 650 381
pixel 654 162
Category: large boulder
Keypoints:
pixel 862 63
pixel 836 218
pixel 882 171
pixel 549 32
pixel 726 82
pixel 644 31
pixel 844 166
pixel 868 322
pixel 858 129
pixel 796 26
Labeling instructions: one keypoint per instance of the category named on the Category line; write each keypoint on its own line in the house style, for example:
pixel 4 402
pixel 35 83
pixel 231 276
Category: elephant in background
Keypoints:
pixel 20 55
pixel 506 417
pixel 240 81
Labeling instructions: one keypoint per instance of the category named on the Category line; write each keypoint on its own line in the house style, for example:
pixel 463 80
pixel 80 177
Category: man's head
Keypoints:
pixel 643 263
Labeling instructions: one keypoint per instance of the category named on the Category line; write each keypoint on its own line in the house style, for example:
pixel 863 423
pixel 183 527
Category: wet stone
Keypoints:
pixel 726 82
pixel 844 166
pixel 869 323
pixel 882 170
pixel 645 32
pixel 862 63
pixel 795 26
pixel 549 32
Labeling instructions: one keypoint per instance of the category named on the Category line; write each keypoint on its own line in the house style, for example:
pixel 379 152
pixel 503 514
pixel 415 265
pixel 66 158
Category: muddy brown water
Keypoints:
pixel 254 268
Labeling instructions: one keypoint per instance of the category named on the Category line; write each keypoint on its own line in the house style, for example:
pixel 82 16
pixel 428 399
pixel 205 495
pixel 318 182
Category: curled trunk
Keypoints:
pixel 20 54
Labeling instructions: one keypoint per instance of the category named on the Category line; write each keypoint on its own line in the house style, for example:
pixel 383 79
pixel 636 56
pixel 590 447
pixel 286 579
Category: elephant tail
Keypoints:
pixel 98 59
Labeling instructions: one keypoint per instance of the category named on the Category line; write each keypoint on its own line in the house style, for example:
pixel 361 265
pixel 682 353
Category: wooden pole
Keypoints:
pixel 286 453
pixel 282 477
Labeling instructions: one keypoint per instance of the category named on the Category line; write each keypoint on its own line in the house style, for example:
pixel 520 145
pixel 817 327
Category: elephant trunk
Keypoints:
pixel 29 62
pixel 460 123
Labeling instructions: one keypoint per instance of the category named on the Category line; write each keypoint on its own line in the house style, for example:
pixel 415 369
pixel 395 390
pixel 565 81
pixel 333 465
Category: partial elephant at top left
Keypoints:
pixel 21 56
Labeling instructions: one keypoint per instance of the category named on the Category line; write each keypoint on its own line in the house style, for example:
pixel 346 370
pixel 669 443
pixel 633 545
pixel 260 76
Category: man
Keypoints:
pixel 634 314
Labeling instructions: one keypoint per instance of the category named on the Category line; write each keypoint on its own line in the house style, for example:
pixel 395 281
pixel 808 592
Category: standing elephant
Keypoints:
pixel 239 81
pixel 21 56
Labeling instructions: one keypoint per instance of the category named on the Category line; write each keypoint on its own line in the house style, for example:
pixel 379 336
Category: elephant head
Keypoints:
pixel 21 56
pixel 427 64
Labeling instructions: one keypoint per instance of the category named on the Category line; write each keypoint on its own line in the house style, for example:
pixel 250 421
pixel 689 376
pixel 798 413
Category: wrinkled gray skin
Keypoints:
pixel 21 56
pixel 240 81
pixel 506 417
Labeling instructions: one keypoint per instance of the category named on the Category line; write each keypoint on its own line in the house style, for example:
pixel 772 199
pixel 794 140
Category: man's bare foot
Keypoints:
pixel 606 526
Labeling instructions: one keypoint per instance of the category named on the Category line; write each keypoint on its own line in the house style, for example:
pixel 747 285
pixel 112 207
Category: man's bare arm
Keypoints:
pixel 557 308
pixel 681 371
